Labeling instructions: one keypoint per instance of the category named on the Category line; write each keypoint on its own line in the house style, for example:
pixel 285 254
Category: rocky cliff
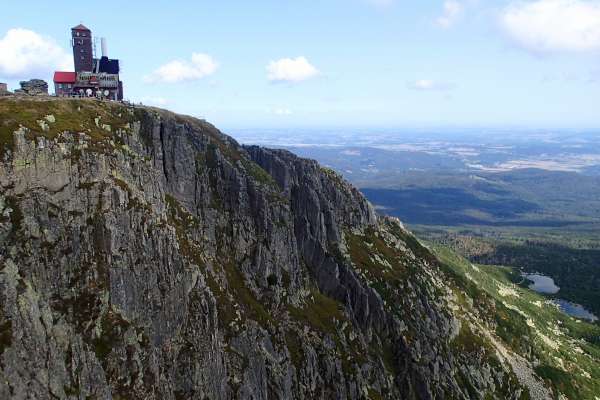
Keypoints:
pixel 146 255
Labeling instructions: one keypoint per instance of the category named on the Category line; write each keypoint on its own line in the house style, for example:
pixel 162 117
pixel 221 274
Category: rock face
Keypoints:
pixel 145 255
pixel 33 87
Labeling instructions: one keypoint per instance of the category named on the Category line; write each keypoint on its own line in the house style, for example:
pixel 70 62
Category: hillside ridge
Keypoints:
pixel 145 254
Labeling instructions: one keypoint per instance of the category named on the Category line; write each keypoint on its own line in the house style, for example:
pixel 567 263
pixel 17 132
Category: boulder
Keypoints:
pixel 33 87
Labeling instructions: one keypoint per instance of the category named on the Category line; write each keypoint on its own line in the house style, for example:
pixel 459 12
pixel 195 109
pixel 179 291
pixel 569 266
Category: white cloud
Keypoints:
pixel 26 54
pixel 452 12
pixel 554 25
pixel 291 70
pixel 200 66
pixel 429 85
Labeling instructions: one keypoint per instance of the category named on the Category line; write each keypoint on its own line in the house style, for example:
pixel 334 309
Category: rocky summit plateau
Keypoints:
pixel 146 255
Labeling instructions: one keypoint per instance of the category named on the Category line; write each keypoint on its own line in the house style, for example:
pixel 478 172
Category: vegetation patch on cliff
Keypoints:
pixel 48 119
pixel 5 334
pixel 322 313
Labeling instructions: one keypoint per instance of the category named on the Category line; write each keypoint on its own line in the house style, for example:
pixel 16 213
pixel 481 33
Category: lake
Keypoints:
pixel 545 285
pixel 542 284
pixel 575 310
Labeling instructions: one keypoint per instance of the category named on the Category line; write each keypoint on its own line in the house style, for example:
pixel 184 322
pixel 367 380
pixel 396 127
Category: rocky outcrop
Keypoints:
pixel 33 87
pixel 145 255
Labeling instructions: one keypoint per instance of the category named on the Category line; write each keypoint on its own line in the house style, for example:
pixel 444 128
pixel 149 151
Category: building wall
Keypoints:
pixel 3 87
pixel 120 93
pixel 82 50
pixel 63 89
pixel 87 78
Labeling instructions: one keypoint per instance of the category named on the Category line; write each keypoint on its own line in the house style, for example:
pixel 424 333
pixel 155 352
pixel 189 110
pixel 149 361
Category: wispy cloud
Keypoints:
pixel 200 66
pixel 452 12
pixel 291 70
pixel 430 85
pixel 25 54
pixel 554 25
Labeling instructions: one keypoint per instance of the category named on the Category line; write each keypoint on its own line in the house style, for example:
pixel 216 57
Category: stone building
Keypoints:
pixel 93 76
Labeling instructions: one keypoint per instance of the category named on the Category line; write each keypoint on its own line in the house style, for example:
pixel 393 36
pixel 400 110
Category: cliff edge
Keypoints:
pixel 146 255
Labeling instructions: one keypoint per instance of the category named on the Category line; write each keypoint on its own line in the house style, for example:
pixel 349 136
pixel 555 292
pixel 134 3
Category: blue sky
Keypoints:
pixel 333 63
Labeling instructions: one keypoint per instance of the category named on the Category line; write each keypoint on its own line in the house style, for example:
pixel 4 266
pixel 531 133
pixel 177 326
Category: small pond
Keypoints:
pixel 542 284
pixel 575 310
pixel 545 285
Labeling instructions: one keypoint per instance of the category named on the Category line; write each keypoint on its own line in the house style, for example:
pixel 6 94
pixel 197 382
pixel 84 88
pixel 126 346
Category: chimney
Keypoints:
pixel 104 47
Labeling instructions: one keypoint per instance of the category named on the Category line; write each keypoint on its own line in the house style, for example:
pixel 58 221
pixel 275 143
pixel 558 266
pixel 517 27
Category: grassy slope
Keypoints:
pixel 50 117
pixel 570 258
pixel 566 351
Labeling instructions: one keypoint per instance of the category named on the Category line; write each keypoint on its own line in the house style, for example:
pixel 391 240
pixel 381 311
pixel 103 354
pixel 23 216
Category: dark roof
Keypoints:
pixel 65 77
pixel 80 27
pixel 109 66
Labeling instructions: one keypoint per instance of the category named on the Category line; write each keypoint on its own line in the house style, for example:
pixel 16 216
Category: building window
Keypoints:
pixel 77 33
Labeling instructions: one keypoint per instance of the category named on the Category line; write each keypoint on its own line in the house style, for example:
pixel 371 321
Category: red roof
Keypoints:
pixel 65 77
pixel 80 27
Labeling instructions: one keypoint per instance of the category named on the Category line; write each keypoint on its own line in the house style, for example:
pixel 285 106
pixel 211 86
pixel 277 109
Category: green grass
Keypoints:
pixel 559 379
pixel 70 116
pixel 374 395
pixel 565 368
pixel 570 257
pixel 242 294
pixel 321 312
pixel 113 328
pixel 467 341
pixel 362 250
pixel 260 175
pixel 294 346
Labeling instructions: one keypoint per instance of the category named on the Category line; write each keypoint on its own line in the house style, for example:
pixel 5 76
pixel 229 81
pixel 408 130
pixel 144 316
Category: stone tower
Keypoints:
pixel 82 49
